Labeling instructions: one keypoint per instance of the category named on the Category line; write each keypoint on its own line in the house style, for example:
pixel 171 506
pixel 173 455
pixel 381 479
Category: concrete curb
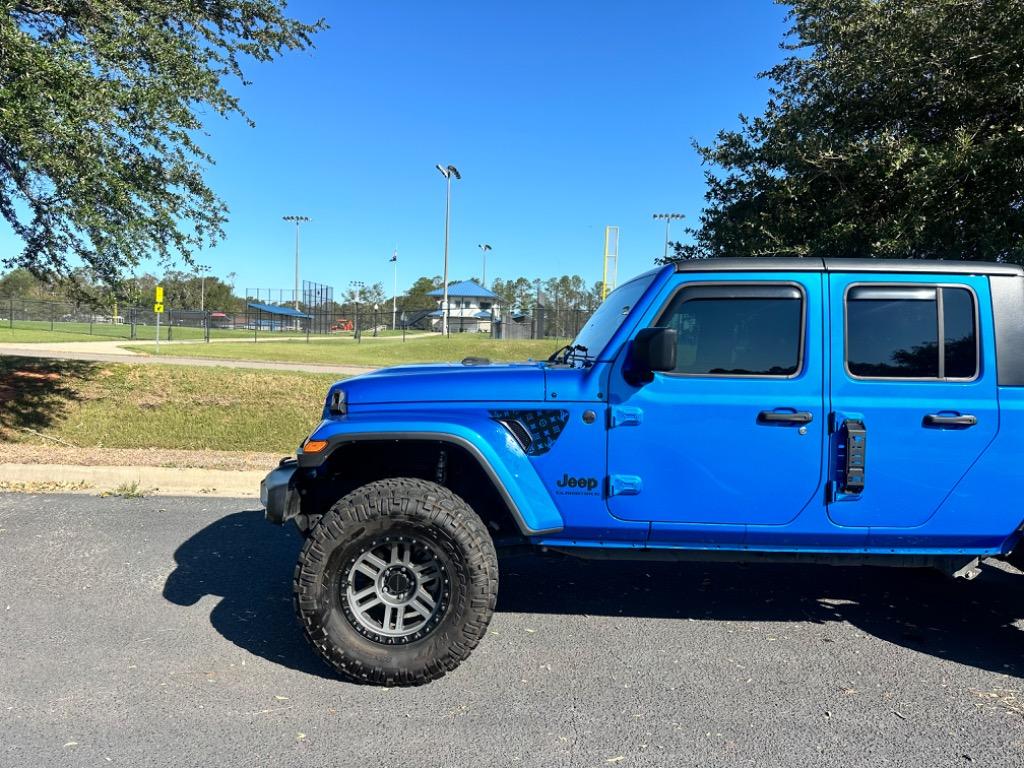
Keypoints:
pixel 145 481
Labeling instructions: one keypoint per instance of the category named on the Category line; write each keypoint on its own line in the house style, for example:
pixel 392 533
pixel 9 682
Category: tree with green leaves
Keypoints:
pixel 101 104
pixel 893 129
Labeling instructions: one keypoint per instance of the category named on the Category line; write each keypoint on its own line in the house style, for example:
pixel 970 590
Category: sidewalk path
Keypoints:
pixel 146 481
pixel 111 352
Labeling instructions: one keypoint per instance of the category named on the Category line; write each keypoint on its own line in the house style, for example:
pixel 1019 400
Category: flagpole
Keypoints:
pixel 394 294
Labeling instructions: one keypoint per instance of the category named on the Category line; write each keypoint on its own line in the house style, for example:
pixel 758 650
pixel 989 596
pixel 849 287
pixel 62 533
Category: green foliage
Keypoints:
pixel 893 129
pixel 518 293
pixel 369 294
pixel 21 283
pixel 416 297
pixel 183 290
pixel 100 106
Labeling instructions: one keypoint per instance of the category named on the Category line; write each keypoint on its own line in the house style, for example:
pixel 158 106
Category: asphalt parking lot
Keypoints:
pixel 159 631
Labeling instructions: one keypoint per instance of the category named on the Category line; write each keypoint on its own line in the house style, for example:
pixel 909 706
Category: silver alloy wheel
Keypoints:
pixel 396 590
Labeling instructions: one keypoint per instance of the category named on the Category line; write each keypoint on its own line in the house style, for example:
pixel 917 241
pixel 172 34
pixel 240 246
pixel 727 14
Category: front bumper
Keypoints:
pixel 278 494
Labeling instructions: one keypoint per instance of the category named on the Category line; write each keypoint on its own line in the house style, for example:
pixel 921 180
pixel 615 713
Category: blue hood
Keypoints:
pixel 446 382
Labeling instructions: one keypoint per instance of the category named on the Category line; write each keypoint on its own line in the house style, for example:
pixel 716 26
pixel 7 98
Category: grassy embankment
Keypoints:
pixel 119 406
pixel 89 405
pixel 371 352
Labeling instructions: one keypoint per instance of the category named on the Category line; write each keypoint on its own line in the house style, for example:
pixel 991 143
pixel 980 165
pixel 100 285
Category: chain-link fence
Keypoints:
pixel 269 321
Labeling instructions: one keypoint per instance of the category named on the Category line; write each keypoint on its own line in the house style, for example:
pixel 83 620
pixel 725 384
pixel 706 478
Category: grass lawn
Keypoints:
pixel 39 331
pixel 157 406
pixel 372 352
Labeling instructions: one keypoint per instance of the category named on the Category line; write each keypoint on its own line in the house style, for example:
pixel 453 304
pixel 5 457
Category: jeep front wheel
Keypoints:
pixel 397 582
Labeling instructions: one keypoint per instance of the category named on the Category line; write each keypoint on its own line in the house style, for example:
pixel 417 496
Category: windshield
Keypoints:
pixel 601 326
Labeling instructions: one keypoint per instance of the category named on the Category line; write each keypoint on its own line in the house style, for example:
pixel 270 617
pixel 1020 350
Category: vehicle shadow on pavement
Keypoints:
pixel 249 564
pixel 923 610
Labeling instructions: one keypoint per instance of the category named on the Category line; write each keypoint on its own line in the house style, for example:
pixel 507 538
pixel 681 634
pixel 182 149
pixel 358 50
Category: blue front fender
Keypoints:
pixel 487 441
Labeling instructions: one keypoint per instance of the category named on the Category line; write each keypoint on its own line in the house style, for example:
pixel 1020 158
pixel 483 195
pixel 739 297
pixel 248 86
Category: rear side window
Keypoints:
pixel 911 332
pixel 737 330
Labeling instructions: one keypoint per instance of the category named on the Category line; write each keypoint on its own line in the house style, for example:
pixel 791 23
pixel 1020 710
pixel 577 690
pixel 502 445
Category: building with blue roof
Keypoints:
pixel 471 307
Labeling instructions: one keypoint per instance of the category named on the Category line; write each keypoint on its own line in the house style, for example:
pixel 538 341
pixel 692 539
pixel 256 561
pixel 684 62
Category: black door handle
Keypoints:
pixel 944 420
pixel 784 417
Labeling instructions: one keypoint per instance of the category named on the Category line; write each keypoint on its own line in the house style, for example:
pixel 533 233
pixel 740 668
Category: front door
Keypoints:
pixel 735 434
pixel 908 366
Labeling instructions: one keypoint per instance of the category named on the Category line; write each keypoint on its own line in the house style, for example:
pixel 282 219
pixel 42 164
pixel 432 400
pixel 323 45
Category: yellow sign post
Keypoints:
pixel 158 309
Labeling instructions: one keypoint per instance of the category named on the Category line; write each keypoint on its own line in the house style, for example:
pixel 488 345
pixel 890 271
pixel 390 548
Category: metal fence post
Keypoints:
pixel 12 313
pixel 206 323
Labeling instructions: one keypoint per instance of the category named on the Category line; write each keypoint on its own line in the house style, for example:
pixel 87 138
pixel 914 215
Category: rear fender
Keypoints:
pixel 488 442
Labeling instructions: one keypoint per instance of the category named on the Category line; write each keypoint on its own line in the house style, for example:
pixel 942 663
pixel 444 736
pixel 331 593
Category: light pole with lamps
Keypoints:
pixel 447 171
pixel 358 285
pixel 484 248
pixel 298 220
pixel 202 286
pixel 668 218
pixel 394 292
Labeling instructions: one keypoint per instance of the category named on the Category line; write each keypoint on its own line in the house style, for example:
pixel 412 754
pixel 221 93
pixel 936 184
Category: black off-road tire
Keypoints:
pixel 397 507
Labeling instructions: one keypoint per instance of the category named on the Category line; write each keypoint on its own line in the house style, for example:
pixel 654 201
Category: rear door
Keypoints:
pixel 909 377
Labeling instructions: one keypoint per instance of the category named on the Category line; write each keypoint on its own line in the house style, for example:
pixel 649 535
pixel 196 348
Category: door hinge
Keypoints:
pixel 624 485
pixel 624 416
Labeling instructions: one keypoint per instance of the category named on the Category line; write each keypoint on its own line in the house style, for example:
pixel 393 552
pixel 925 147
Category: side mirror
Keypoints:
pixel 653 349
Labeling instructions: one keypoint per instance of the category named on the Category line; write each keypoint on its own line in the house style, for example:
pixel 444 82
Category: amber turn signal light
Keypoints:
pixel 314 446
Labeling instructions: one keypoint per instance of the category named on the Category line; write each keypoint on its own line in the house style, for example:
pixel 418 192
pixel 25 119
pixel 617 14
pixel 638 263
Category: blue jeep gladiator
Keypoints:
pixel 821 410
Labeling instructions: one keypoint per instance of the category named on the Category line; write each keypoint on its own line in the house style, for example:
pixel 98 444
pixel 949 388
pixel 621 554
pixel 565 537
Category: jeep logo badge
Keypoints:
pixel 586 484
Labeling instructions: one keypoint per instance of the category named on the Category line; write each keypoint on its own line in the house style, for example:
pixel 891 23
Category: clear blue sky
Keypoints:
pixel 562 117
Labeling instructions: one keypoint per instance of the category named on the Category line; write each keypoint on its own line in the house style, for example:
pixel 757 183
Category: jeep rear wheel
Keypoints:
pixel 397 582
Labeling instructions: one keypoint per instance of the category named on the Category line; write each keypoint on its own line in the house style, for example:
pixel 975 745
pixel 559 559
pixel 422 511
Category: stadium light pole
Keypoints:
pixel 202 286
pixel 299 221
pixel 668 218
pixel 358 286
pixel 394 292
pixel 447 171
pixel 484 248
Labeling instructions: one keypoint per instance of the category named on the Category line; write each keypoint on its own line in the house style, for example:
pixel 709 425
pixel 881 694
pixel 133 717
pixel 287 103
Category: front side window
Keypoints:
pixel 911 332
pixel 737 330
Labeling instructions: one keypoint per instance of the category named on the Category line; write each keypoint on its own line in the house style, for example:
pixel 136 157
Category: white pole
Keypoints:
pixel 394 294
pixel 158 333
pixel 447 207
pixel 295 297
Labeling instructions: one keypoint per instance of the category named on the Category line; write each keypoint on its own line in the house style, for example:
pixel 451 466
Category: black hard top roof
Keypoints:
pixel 816 264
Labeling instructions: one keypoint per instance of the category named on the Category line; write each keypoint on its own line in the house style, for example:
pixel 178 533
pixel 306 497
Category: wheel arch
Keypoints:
pixel 502 495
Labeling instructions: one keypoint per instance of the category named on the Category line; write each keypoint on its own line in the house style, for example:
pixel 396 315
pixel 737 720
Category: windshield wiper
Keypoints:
pixel 554 358
pixel 570 355
pixel 567 354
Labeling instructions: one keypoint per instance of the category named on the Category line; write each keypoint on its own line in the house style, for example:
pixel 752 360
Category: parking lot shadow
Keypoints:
pixel 249 564
pixel 967 622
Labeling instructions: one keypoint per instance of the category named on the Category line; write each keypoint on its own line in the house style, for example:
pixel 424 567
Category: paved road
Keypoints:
pixel 159 632
pixel 106 352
